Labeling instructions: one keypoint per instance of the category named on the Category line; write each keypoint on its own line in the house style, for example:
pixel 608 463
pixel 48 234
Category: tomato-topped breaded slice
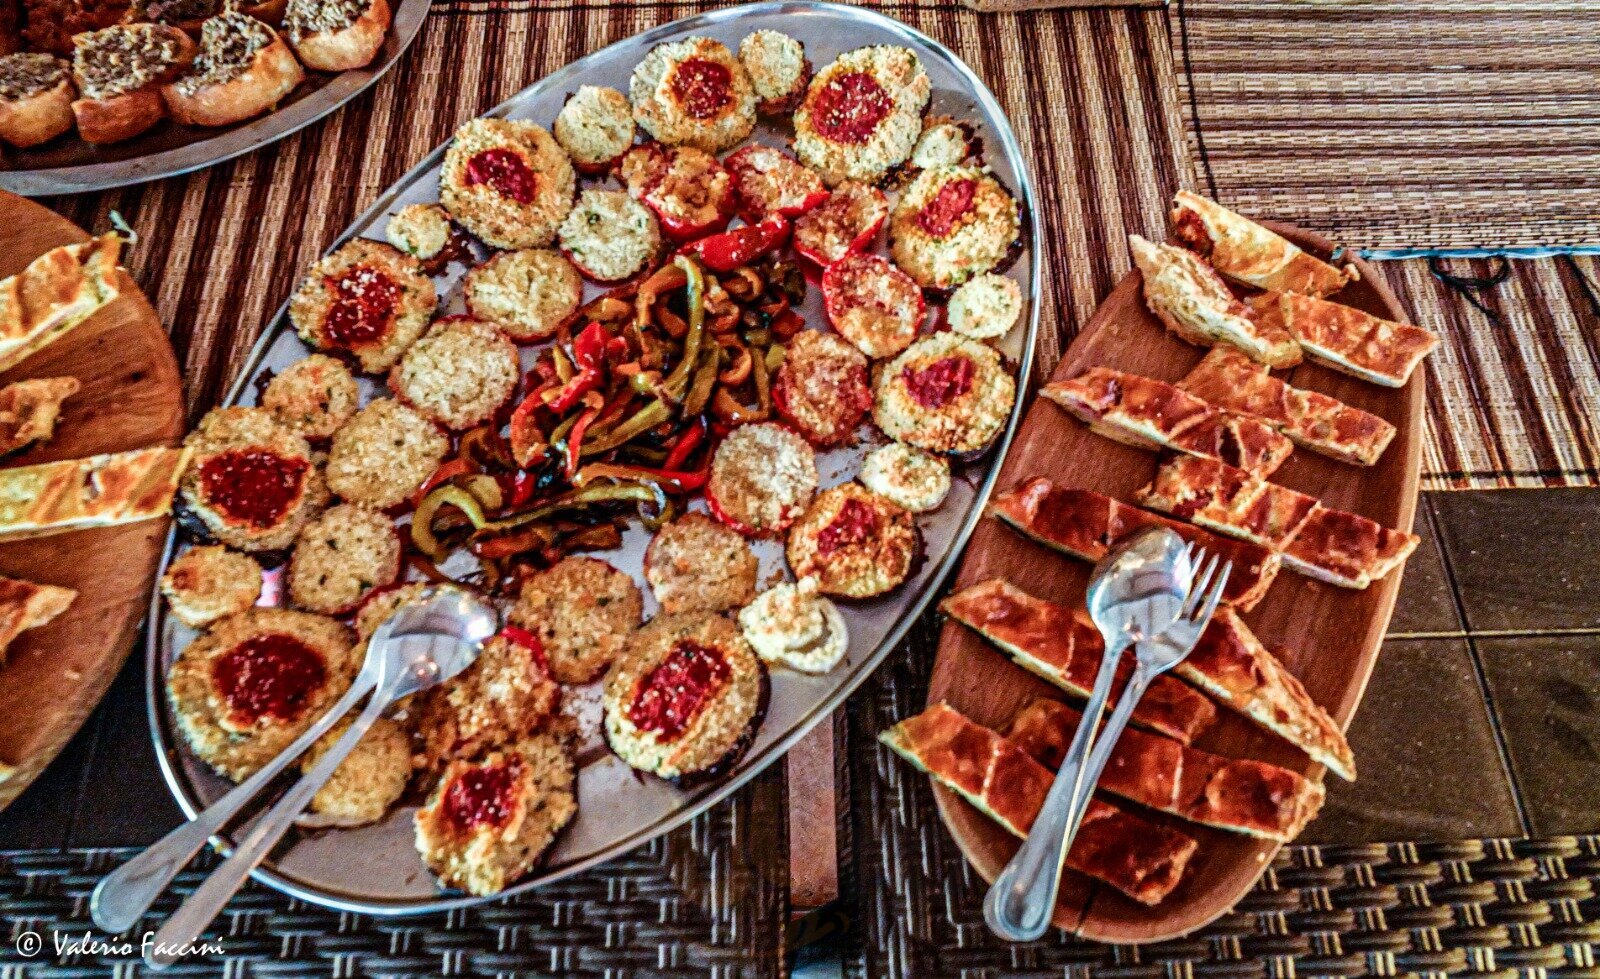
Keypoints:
pixel 255 681
pixel 383 454
pixel 367 300
pixel 695 564
pixel 686 697
pixel 872 304
pixel 508 182
pixel 371 778
pixel 844 224
pixel 206 583
pixel 856 543
pixel 460 372
pixel 778 70
pixel 313 396
pixel 489 820
pixel 505 695
pixel 769 181
pixel 687 189
pixel 762 478
pixel 862 114
pixel 251 479
pixel 582 611
pixel 610 236
pixel 822 388
pixel 951 224
pixel 528 293
pixel 595 127
pixel 693 92
pixel 341 557
pixel 945 394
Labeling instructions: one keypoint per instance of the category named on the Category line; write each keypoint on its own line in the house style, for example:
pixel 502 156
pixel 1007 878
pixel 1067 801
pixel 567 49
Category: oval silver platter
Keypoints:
pixel 70 166
pixel 375 869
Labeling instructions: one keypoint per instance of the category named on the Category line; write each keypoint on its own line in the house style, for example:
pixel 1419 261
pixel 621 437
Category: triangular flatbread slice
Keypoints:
pixel 56 292
pixel 25 605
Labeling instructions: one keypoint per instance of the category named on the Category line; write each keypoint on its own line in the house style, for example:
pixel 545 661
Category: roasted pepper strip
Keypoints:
pixel 678 381
pixel 575 438
pixel 685 445
pixel 422 521
pixel 647 418
pixel 705 378
pixel 582 497
pixel 673 481
pixel 727 251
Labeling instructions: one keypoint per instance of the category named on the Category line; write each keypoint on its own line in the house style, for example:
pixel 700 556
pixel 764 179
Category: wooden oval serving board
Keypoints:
pixel 1327 636
pixel 132 397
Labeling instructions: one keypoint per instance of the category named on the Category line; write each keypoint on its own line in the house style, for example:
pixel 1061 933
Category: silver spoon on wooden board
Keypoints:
pixel 1136 592
pixel 424 642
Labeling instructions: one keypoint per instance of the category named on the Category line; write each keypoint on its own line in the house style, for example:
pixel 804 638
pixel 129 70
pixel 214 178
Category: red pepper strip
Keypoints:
pixel 575 437
pixel 686 444
pixel 448 470
pixel 616 351
pixel 727 251
pixel 526 437
pixel 562 401
pixel 588 348
pixel 522 486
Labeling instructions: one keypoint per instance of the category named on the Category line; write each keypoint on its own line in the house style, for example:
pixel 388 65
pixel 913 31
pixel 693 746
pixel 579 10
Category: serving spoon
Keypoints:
pixel 1136 592
pixel 424 642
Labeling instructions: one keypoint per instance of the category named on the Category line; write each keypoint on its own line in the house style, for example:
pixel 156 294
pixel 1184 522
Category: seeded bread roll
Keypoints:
pixel 337 35
pixel 119 72
pixel 191 15
pixel 35 98
pixel 244 69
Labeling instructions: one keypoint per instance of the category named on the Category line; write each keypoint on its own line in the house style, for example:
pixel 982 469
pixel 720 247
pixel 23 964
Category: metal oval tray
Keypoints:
pixel 68 165
pixel 375 869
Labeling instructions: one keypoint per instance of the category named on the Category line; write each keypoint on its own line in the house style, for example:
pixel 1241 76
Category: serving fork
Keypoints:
pixel 1020 903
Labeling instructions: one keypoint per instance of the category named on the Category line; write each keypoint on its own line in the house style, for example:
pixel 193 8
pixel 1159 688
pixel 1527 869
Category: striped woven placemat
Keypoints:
pixel 1394 125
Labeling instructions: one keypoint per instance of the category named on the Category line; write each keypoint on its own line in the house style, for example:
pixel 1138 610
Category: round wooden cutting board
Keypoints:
pixel 132 397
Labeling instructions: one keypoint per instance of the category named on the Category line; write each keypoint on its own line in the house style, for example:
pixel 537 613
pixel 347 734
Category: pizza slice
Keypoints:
pixel 1229 663
pixel 1246 252
pixel 1084 524
pixel 1061 645
pixel 25 605
pixel 1348 340
pixel 56 292
pixel 1236 794
pixel 1192 300
pixel 1341 548
pixel 29 410
pixel 100 491
pixel 1327 426
pixel 1147 413
pixel 1142 859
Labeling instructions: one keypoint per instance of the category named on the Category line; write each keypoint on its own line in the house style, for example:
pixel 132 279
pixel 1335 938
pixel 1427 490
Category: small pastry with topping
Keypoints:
pixel 862 114
pixel 856 543
pixel 528 293
pixel 874 305
pixel 337 35
pixel 791 625
pixel 689 191
pixel 505 695
pixel 341 557
pixel 695 564
pixel 595 127
pixel 366 300
pixel 945 394
pixel 951 224
pixel 770 181
pixel 986 307
pixel 36 96
pixel 371 778
pixel 489 821
pixel 207 583
pixel 822 388
pixel 762 479
pixel 191 15
pixel 255 681
pixel 944 143
pixel 426 233
pixel 120 72
pixel 686 698
pixel 778 70
pixel 610 236
pixel 244 69
pixel 384 453
pixel 313 396
pixel 912 478
pixel 508 182
pixel 844 224
pixel 459 374
pixel 250 479
pixel 582 611
pixel 693 92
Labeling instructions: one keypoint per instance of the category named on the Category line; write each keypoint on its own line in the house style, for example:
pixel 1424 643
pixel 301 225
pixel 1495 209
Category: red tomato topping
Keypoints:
pixel 769 180
pixel 674 691
pixel 483 796
pixel 701 87
pixel 854 525
pixel 1191 232
pixel 253 487
pixel 939 216
pixel 850 107
pixel 846 222
pixel 272 675
pixel 364 300
pixel 939 383
pixel 505 172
